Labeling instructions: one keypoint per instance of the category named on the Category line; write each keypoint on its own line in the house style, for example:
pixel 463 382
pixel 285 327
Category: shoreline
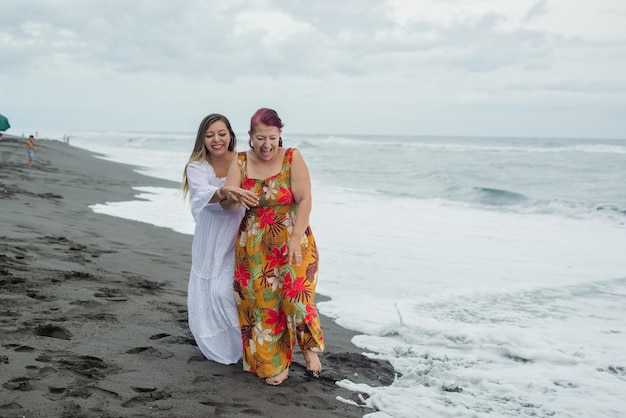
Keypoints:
pixel 93 309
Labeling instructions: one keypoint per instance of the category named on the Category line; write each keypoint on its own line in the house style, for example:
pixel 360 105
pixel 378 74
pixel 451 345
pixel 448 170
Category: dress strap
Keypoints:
pixel 241 160
pixel 287 159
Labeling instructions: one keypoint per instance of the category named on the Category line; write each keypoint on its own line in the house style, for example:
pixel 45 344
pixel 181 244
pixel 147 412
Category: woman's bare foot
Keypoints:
pixel 313 364
pixel 279 378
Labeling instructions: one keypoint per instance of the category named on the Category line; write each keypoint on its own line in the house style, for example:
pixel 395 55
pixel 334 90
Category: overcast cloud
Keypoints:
pixel 415 67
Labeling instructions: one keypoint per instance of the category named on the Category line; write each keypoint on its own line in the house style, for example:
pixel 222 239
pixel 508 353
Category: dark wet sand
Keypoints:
pixel 93 317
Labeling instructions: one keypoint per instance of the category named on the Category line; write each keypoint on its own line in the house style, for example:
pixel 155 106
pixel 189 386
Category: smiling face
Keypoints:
pixel 216 139
pixel 265 140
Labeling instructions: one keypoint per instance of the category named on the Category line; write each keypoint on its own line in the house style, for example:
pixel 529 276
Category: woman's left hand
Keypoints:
pixel 293 251
pixel 247 198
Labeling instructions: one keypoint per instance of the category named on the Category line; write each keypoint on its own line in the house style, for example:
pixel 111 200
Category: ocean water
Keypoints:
pixel 491 272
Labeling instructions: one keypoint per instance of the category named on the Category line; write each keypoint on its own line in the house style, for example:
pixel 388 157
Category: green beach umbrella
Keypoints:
pixel 4 123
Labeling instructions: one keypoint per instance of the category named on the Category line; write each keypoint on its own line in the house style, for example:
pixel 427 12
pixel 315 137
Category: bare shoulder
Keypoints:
pixel 296 156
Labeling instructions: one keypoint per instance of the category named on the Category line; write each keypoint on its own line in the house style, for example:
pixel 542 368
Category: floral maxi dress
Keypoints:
pixel 275 300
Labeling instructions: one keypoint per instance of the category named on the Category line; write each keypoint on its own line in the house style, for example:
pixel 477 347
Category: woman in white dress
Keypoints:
pixel 212 312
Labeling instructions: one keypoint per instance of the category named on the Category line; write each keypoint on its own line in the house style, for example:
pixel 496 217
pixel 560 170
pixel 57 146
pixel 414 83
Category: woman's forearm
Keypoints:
pixel 302 218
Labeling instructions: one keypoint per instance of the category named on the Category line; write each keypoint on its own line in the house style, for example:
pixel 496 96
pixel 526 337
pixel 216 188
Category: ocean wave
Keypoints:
pixel 501 149
pixel 606 149
pixel 304 144
pixel 498 197
pixel 503 200
pixel 469 144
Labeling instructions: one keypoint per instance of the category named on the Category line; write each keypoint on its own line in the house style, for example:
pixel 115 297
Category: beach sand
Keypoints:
pixel 93 316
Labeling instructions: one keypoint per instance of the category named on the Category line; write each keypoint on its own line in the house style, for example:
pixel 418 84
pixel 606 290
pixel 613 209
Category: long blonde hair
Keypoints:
pixel 200 151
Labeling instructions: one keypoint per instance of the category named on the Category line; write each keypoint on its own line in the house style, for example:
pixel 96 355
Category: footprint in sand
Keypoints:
pixel 78 275
pixel 49 195
pixel 235 408
pixel 75 247
pixel 35 294
pixel 19 348
pixel 86 303
pixel 159 336
pixel 10 314
pixel 150 352
pixel 108 293
pixel 279 399
pixel 18 383
pixel 24 349
pixel 175 339
pixel 86 366
pixel 139 282
pixel 146 398
pixel 142 390
pixel 53 331
pixel 105 317
pixel 56 390
pixel 10 345
pixel 183 340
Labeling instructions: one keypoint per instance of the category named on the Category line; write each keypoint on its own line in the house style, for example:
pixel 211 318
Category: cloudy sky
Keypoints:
pixel 549 68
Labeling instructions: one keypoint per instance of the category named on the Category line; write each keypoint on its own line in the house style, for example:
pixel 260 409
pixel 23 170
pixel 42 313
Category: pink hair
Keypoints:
pixel 267 117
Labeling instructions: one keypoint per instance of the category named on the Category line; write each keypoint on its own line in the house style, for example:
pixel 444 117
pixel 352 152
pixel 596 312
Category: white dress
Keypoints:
pixel 212 311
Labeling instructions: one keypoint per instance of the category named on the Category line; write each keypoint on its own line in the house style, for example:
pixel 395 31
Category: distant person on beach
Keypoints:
pixel 30 149
pixel 212 311
pixel 276 255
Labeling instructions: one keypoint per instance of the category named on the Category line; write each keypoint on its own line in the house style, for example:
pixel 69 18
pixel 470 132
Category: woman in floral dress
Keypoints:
pixel 276 258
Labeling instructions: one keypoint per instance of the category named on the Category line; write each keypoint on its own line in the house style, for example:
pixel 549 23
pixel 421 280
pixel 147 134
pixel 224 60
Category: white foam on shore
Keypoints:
pixel 159 206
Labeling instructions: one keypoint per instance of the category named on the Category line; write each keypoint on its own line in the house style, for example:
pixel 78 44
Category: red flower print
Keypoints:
pixel 293 288
pixel 277 318
pixel 299 285
pixel 242 275
pixel 248 184
pixel 285 195
pixel 266 216
pixel 287 285
pixel 275 257
pixel 311 313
